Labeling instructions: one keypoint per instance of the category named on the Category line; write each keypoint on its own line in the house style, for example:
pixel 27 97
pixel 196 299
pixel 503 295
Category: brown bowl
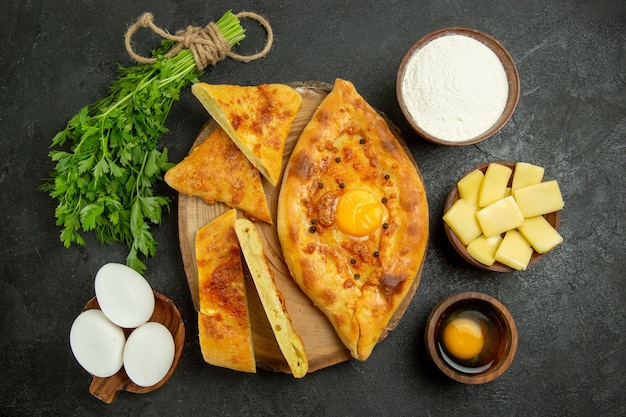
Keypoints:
pixel 509 67
pixel 166 313
pixel 553 218
pixel 501 340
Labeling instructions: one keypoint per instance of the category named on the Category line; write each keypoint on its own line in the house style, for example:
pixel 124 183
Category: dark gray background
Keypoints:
pixel 58 56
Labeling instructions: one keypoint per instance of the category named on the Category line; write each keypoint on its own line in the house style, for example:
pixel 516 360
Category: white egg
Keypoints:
pixel 148 354
pixel 124 296
pixel 97 344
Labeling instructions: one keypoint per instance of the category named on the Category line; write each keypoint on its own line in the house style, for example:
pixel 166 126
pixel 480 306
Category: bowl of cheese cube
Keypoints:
pixel 504 216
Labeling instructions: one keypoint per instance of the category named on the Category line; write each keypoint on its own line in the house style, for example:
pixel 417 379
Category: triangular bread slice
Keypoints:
pixel 257 118
pixel 271 297
pixel 223 320
pixel 216 170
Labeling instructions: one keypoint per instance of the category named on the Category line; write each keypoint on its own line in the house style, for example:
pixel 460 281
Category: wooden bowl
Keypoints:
pixel 505 343
pixel 553 218
pixel 509 67
pixel 166 313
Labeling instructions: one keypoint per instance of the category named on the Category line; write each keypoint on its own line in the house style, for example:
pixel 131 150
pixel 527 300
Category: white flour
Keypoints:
pixel 455 88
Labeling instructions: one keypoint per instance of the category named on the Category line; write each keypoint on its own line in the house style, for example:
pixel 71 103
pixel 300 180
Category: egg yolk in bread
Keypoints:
pixel 359 213
pixel 463 338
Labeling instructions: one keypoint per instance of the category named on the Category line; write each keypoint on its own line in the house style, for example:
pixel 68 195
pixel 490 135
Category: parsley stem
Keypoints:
pixel 188 66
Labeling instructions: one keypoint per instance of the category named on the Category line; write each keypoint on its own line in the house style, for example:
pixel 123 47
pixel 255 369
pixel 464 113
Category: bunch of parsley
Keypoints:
pixel 104 181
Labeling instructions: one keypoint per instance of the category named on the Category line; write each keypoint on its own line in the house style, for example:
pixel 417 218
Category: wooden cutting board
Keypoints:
pixel 322 345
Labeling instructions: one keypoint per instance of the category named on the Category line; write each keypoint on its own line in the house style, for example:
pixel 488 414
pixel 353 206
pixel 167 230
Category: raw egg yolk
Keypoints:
pixel 463 338
pixel 359 213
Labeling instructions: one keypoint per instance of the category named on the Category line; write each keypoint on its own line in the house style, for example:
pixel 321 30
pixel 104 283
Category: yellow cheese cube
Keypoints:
pixel 499 217
pixel 461 218
pixel 494 184
pixel 526 174
pixel 483 249
pixel 469 186
pixel 540 234
pixel 539 199
pixel 514 251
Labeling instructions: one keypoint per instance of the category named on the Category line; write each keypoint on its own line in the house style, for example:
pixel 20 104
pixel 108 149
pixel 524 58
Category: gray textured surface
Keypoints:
pixel 59 56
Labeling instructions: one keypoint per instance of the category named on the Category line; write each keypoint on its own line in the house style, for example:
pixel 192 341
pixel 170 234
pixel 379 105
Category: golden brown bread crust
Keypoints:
pixel 223 320
pixel 216 170
pixel 257 118
pixel 288 339
pixel 357 282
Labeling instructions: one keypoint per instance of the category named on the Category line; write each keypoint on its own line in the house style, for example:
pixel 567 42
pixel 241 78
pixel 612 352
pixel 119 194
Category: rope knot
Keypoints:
pixel 207 45
pixel 145 19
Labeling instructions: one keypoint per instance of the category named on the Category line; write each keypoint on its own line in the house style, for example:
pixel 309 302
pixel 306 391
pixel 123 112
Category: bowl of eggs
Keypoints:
pixel 471 337
pixel 503 216
pixel 457 86
pixel 128 337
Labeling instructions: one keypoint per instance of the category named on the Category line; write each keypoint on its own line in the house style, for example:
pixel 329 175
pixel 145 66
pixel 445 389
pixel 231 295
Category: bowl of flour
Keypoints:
pixel 457 86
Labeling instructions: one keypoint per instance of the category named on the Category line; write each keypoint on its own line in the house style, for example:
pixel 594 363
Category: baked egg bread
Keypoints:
pixel 271 298
pixel 216 170
pixel 257 118
pixel 223 320
pixel 352 218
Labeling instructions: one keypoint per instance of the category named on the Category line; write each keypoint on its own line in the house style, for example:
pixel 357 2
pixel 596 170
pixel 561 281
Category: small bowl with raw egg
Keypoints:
pixel 503 216
pixel 128 337
pixel 471 337
pixel 457 86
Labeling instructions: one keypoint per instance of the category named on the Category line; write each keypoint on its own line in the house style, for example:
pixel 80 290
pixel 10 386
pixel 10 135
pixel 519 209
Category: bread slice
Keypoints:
pixel 216 170
pixel 257 118
pixel 223 320
pixel 272 300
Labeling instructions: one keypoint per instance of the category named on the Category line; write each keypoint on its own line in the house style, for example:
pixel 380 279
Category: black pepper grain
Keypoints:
pixel 357 276
pixel 376 254
pixel 342 185
pixel 320 185
pixel 387 176
pixel 384 200
pixel 362 141
pixel 385 225
pixel 312 229
pixel 353 261
pixel 337 159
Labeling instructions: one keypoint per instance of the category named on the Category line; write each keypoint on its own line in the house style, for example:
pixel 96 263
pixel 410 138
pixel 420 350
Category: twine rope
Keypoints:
pixel 207 45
